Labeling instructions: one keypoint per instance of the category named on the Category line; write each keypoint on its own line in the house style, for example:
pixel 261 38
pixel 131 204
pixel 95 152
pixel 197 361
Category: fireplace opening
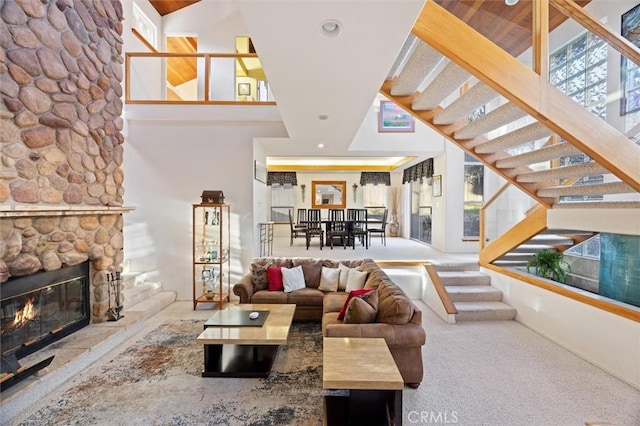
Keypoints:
pixel 40 309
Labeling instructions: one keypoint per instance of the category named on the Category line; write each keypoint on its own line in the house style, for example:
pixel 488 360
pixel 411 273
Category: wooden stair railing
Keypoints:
pixel 447 303
pixel 526 89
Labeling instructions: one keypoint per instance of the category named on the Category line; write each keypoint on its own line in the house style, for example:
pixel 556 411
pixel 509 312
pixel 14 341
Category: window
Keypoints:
pixel 374 195
pixel 143 24
pixel 473 196
pixel 579 69
pixel 281 202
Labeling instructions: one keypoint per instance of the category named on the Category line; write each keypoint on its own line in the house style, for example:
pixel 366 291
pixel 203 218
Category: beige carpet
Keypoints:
pixel 488 373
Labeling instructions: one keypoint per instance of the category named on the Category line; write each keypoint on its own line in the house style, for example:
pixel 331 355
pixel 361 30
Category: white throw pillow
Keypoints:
pixel 344 276
pixel 356 280
pixel 293 279
pixel 329 279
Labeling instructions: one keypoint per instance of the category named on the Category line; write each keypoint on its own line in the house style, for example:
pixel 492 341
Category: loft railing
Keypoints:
pixel 194 78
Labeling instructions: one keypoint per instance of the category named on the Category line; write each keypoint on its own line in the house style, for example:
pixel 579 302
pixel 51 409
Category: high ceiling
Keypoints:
pixel 325 84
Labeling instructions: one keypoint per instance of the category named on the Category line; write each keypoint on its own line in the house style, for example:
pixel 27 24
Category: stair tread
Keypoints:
pixel 483 306
pixel 471 289
pixel 465 274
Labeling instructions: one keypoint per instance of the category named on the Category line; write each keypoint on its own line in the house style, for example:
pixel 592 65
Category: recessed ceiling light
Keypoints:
pixel 320 145
pixel 511 2
pixel 330 28
pixel 323 117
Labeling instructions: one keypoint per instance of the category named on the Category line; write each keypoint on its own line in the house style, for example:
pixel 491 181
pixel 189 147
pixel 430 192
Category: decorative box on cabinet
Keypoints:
pixel 211 254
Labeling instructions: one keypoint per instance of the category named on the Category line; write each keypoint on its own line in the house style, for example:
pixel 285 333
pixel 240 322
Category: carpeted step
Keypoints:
pixel 518 257
pixel 464 278
pixel 593 189
pixel 140 292
pixel 406 48
pixel 532 248
pixel 484 311
pixel 543 154
pixel 423 60
pixel 575 170
pixel 456 266
pixel 518 137
pixel 597 205
pixel 474 293
pixel 468 102
pixel 447 81
pixel 509 263
pixel 559 231
pixel 552 240
pixel 497 118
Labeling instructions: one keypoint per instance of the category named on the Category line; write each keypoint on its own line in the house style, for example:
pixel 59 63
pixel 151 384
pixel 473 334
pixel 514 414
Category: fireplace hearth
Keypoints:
pixel 38 310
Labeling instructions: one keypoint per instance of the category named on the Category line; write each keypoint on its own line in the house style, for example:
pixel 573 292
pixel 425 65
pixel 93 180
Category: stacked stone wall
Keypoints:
pixel 60 136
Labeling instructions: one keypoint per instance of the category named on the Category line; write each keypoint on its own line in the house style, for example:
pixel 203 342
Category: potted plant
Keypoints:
pixel 550 265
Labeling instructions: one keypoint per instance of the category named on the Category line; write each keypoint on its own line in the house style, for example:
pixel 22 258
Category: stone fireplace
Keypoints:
pixel 61 146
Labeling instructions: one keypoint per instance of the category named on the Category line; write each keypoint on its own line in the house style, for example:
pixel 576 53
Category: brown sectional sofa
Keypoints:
pixel 398 320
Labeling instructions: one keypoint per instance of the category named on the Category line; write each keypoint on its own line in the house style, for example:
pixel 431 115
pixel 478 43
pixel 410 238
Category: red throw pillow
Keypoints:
pixel 353 293
pixel 274 278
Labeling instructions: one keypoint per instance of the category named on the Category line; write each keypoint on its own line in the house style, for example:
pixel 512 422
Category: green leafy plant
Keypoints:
pixel 550 265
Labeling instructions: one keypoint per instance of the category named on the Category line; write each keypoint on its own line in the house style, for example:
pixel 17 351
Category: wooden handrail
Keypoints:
pixel 523 87
pixel 591 23
pixel 190 55
pixel 522 231
pixel 442 292
pixel 144 40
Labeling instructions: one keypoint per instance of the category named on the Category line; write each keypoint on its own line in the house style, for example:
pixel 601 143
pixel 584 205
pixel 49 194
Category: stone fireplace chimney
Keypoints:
pixel 61 146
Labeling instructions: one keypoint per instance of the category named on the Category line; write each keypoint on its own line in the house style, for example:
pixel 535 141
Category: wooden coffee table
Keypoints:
pixel 366 368
pixel 232 351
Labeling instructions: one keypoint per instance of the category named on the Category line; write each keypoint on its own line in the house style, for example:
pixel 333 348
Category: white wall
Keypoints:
pixel 604 339
pixel 167 165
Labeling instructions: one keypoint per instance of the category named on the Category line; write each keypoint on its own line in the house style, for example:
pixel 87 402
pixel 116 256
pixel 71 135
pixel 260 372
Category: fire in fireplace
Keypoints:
pixel 38 310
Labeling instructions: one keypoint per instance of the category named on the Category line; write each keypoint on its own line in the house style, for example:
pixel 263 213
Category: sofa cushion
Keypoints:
pixel 394 307
pixel 333 302
pixel 266 296
pixel 274 276
pixel 293 279
pixel 260 279
pixel 312 268
pixel 329 279
pixel 306 297
pixel 359 312
pixel 354 293
pixel 356 279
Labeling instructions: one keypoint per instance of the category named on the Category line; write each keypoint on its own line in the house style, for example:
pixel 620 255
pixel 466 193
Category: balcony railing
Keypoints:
pixel 195 78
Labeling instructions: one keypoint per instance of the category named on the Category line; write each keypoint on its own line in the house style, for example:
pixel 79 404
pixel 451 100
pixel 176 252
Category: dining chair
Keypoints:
pixel 358 227
pixel 382 230
pixel 314 227
pixel 335 229
pixel 301 222
pixel 336 214
pixel 295 232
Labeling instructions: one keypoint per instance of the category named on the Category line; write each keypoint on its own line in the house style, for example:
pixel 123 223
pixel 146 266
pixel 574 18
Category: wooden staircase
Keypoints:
pixel 544 125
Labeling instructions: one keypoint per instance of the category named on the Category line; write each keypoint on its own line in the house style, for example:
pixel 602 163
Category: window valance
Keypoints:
pixel 375 178
pixel 282 178
pixel 418 171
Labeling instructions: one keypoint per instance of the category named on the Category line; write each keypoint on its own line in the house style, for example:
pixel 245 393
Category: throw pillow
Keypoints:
pixel 311 270
pixel 359 312
pixel 260 280
pixel 292 279
pixel 329 279
pixel 356 279
pixel 354 293
pixel 274 276
pixel 344 276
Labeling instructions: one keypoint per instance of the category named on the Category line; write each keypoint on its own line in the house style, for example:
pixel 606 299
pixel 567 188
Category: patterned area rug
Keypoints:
pixel 157 381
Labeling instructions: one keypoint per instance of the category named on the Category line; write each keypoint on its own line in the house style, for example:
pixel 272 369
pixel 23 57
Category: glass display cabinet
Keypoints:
pixel 211 255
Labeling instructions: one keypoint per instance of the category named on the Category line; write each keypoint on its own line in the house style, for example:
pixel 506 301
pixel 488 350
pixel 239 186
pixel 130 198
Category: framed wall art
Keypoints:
pixel 392 118
pixel 244 89
pixel 437 186
pixel 259 172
